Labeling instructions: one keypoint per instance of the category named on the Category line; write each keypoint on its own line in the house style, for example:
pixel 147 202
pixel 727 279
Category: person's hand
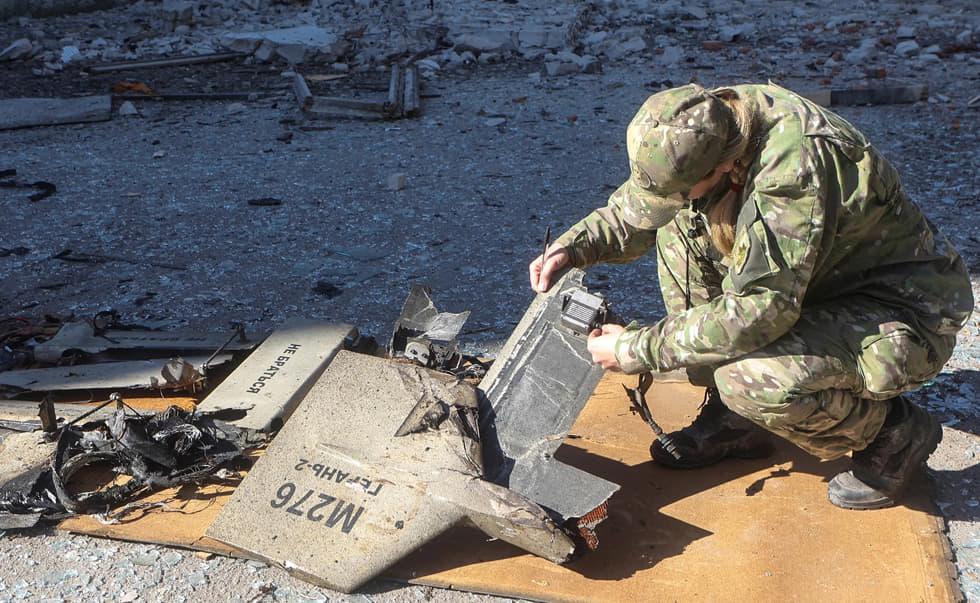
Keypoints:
pixel 544 267
pixel 602 346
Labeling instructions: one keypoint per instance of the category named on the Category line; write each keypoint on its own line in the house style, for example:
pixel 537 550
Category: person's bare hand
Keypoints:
pixel 544 267
pixel 602 346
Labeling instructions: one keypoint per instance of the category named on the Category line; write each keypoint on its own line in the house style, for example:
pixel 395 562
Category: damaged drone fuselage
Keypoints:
pixel 383 455
pixel 337 498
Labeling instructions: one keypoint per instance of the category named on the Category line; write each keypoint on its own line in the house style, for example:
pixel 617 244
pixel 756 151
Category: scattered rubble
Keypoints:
pixel 853 49
pixel 179 245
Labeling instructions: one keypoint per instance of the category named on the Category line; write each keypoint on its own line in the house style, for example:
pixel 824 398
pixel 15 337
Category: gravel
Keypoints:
pixel 161 200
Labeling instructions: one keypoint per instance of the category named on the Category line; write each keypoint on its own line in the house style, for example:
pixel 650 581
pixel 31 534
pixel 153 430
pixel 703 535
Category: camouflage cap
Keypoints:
pixel 674 141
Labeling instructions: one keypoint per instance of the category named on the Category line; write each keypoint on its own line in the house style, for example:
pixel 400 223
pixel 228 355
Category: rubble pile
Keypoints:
pixel 863 44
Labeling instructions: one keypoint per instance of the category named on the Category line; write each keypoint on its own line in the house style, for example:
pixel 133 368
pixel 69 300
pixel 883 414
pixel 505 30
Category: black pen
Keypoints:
pixel 544 256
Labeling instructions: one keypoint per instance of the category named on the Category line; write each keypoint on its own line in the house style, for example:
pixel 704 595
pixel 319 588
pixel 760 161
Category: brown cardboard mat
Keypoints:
pixel 757 530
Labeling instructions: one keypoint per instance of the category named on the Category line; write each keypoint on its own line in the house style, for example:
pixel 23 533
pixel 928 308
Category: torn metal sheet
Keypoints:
pixel 176 373
pixel 536 388
pixel 80 336
pixel 265 388
pixel 425 335
pixel 337 477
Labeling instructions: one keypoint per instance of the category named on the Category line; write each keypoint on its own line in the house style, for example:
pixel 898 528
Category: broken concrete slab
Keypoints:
pixel 268 385
pixel 329 107
pixel 294 44
pixel 337 475
pixel 27 112
pixel 80 336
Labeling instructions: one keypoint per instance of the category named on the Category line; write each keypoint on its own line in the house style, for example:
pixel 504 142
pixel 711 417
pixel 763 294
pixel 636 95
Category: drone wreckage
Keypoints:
pixel 366 458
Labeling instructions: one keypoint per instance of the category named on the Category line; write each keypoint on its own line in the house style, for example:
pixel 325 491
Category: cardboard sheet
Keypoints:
pixel 758 530
pixel 740 530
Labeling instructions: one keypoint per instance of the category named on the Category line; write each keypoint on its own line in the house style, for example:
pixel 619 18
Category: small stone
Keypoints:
pixel 589 64
pixel 556 68
pixel 128 109
pixel 731 33
pixel 595 38
pixel 672 55
pixel 147 560
pixel 69 53
pixel 906 48
pixel 171 558
pixel 20 49
pixel 905 32
pixel 865 52
pixel 396 181
pixel 197 579
pixel 615 49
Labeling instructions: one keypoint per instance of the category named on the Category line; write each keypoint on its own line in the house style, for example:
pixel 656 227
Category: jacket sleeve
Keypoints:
pixel 606 236
pixel 777 238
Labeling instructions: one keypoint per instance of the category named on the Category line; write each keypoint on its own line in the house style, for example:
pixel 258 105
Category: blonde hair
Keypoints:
pixel 722 215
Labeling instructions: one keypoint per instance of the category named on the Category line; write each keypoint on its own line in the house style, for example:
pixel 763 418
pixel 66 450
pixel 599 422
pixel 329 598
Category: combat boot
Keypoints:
pixel 715 434
pixel 882 471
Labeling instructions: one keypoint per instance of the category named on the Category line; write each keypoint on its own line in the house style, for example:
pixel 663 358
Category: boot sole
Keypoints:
pixel 920 455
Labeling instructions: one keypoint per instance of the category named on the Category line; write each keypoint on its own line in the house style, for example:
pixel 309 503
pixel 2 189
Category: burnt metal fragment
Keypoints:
pixel 157 451
pixel 425 335
pixel 537 387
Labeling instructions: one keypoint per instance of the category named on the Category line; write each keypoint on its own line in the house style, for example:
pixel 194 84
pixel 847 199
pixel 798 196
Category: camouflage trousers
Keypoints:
pixel 824 385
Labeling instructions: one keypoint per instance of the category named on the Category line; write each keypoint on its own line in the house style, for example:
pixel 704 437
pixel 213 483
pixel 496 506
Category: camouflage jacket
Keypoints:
pixel 823 217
